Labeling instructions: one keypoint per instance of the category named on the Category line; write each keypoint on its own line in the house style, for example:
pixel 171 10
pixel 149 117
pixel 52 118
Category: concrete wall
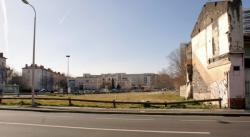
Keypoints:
pixel 183 92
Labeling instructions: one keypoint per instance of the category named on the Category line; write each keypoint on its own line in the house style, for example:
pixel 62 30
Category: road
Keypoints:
pixel 38 124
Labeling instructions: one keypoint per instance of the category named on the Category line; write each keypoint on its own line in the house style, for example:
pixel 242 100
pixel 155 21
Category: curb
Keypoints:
pixel 132 113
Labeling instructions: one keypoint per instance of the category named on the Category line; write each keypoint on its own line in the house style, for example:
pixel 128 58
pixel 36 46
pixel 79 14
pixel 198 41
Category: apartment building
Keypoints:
pixel 44 78
pixel 3 70
pixel 88 82
pixel 115 81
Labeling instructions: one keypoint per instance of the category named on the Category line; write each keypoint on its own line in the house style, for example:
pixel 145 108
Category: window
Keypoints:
pixel 236 68
pixel 247 63
pixel 213 46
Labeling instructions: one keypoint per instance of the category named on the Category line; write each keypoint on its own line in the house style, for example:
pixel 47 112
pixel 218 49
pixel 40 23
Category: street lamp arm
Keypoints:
pixel 33 9
pixel 26 2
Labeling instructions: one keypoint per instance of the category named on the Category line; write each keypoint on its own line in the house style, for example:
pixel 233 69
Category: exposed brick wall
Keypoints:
pixel 199 85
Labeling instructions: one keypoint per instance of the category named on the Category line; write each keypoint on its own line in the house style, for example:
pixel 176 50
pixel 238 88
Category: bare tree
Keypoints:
pixel 12 76
pixel 163 80
pixel 177 67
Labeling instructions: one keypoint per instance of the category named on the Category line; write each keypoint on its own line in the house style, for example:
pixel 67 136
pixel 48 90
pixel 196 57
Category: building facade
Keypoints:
pixel 44 78
pixel 246 21
pixel 3 70
pixel 217 68
pixel 121 81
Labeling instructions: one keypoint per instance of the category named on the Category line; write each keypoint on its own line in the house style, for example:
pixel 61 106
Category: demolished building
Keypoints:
pixel 216 69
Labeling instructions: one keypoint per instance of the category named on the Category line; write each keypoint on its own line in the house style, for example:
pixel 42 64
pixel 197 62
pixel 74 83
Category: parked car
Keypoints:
pixel 43 90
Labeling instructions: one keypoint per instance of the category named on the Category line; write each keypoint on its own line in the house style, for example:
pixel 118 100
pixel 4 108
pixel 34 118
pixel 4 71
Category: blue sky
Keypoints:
pixel 102 36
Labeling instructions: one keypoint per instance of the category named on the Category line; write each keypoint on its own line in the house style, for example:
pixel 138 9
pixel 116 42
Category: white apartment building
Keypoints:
pixel 114 81
pixel 3 70
pixel 88 82
pixel 44 78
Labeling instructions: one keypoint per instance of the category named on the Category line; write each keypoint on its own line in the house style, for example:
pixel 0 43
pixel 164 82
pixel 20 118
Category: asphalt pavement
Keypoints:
pixel 137 111
pixel 44 124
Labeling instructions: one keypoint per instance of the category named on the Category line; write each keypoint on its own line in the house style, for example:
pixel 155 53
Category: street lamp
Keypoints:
pixel 68 56
pixel 33 60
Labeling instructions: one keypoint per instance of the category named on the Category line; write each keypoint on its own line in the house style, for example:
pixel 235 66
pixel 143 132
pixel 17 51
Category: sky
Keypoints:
pixel 101 36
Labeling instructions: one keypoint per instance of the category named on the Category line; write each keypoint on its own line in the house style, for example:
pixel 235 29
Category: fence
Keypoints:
pixel 115 102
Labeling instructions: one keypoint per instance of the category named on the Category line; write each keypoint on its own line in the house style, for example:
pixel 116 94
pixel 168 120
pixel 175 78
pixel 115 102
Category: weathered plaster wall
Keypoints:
pixel 217 54
pixel 210 80
pixel 235 34
pixel 223 26
pixel 217 47
pixel 237 78
pixel 183 92
pixel 247 74
pixel 237 81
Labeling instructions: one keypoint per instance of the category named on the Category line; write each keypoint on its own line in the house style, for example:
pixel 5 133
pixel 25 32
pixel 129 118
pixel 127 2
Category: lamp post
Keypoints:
pixel 68 56
pixel 33 59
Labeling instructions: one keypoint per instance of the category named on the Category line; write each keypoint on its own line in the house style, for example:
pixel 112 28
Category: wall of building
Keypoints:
pixel 3 70
pixel 125 81
pixel 217 54
pixel 236 38
pixel 246 21
pixel 237 81
pixel 211 42
pixel 43 78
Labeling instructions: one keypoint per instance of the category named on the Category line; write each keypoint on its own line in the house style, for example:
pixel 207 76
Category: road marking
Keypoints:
pixel 106 129
pixel 53 116
pixel 209 120
pixel 239 121
pixel 36 115
pixel 132 119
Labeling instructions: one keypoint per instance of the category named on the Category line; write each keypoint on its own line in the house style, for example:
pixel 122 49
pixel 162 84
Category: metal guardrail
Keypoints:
pixel 115 102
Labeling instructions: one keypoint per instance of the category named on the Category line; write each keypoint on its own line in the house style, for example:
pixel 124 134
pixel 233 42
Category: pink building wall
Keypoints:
pixel 237 81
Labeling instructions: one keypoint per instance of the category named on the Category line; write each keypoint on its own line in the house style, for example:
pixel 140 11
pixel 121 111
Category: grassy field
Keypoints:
pixel 131 96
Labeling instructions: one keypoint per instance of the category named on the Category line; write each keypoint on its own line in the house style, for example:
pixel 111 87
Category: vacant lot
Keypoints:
pixel 131 96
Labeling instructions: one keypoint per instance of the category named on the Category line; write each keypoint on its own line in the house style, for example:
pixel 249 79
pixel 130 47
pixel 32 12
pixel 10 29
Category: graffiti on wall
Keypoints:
pixel 219 90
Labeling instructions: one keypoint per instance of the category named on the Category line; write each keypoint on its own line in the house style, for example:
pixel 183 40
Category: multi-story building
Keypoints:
pixel 115 81
pixel 44 78
pixel 247 68
pixel 218 54
pixel 146 80
pixel 246 21
pixel 59 81
pixel 3 70
pixel 246 26
pixel 88 82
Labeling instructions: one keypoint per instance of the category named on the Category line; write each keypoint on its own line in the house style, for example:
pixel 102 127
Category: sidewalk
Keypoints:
pixel 138 111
